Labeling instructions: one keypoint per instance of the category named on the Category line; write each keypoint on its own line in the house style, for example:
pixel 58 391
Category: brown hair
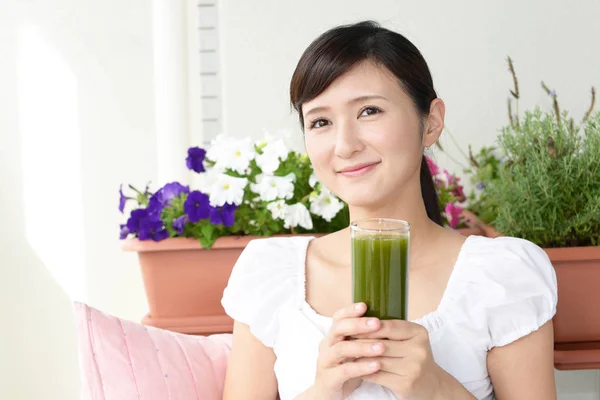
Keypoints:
pixel 336 51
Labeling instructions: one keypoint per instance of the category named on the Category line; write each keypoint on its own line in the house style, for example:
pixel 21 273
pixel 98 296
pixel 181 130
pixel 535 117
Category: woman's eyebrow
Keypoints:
pixel 367 97
pixel 316 110
pixel 358 99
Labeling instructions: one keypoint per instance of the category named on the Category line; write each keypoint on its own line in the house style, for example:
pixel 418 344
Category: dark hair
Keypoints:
pixel 336 51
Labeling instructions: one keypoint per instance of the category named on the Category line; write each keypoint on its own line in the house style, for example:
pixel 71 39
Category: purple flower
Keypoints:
pixel 173 190
pixel 124 231
pixel 165 195
pixel 123 199
pixel 133 223
pixel 223 215
pixel 146 224
pixel 453 213
pixel 195 159
pixel 197 206
pixel 152 228
pixel 480 185
pixel 156 203
pixel 179 223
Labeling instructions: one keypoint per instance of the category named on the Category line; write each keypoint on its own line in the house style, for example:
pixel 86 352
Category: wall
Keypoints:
pixel 76 120
pixel 465 43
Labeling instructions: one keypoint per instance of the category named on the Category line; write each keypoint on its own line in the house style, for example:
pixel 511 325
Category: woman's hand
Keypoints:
pixel 407 366
pixel 342 362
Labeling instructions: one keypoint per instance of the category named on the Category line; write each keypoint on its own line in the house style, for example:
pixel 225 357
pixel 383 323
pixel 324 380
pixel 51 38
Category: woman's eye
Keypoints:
pixel 370 111
pixel 319 123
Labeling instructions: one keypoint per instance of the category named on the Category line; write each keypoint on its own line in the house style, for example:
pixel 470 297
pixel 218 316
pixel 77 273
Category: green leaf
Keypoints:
pixel 207 242
pixel 208 230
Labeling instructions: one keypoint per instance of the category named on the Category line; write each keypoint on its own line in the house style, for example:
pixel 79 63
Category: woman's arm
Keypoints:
pixel 250 372
pixel 524 369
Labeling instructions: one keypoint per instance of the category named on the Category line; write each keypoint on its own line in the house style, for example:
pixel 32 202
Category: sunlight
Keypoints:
pixel 52 184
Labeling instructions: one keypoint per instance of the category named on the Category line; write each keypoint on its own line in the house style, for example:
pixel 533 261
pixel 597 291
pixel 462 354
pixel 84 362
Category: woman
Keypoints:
pixel 480 309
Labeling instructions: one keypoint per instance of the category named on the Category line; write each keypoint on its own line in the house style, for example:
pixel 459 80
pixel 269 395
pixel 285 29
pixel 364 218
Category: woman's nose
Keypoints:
pixel 347 140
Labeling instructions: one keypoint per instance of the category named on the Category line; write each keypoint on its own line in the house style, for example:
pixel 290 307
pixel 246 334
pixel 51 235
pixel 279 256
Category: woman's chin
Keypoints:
pixel 362 199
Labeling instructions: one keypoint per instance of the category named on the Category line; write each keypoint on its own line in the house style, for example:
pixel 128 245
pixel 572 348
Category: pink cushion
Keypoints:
pixel 124 360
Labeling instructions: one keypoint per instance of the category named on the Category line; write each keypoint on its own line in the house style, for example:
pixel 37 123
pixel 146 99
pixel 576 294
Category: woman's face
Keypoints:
pixel 363 137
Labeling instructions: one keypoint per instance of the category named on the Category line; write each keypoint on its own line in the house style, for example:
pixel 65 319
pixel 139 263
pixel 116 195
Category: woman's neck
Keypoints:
pixel 410 209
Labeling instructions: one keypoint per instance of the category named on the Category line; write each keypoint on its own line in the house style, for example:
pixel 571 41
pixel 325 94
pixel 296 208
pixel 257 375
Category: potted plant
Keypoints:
pixel 188 240
pixel 547 191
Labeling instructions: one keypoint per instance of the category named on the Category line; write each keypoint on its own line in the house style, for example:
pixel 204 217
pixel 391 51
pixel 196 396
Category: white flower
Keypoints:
pixel 278 209
pixel 227 189
pixel 313 180
pixel 297 215
pixel 325 205
pixel 272 154
pixel 207 179
pixel 268 137
pixel 216 147
pixel 271 187
pixel 234 154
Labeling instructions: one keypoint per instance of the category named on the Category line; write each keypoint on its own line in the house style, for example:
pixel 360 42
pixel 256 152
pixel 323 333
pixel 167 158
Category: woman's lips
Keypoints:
pixel 358 170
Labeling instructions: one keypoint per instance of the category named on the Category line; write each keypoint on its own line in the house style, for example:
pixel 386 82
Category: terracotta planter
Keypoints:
pixel 184 283
pixel 577 322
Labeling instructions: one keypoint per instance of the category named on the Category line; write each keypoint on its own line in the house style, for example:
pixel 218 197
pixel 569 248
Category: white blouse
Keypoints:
pixel 499 291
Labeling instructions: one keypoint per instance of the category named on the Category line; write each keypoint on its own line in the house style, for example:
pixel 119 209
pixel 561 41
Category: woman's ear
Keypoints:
pixel 434 124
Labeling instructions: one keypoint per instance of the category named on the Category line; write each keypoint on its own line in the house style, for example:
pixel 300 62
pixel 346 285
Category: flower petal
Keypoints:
pixel 122 199
pixel 197 206
pixel 195 159
pixel 179 223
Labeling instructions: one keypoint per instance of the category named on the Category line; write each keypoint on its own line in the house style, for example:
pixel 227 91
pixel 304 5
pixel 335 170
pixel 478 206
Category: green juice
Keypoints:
pixel 380 275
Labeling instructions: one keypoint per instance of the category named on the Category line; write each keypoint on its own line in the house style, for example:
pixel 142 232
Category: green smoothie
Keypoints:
pixel 380 274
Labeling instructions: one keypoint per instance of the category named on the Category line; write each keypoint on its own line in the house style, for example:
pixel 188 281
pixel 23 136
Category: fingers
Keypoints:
pixel 349 322
pixel 355 326
pixel 365 348
pixel 352 311
pixel 391 348
pixel 340 359
pixel 352 369
pixel 348 349
pixel 396 330
pixel 382 378
pixel 373 347
pixel 397 366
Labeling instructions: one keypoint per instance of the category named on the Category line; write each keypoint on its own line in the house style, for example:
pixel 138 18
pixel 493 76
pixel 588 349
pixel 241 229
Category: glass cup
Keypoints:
pixel 380 250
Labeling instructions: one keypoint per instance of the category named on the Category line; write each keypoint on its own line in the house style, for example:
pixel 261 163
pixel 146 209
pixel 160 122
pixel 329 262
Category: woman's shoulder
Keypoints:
pixel 274 243
pixel 270 258
pixel 501 255
pixel 268 274
pixel 507 285
pixel 500 269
